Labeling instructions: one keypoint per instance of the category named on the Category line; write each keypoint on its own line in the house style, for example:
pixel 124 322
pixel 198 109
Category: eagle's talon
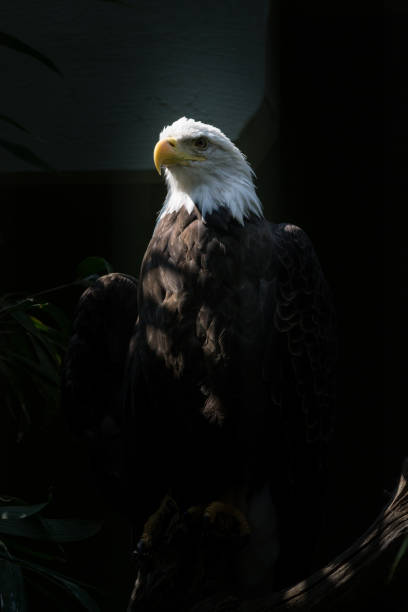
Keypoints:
pixel 194 516
pixel 226 520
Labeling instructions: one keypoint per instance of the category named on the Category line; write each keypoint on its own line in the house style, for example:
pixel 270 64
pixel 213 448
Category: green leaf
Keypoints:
pixel 31 367
pixel 39 325
pixel 25 154
pixel 8 307
pixel 93 266
pixel 14 123
pixel 70 530
pixel 68 584
pixel 58 315
pixel 15 545
pixel 24 528
pixel 42 337
pixel 19 512
pixel 6 40
pixel 8 500
pixel 44 344
pixel 25 320
pixel 53 339
pixel 48 357
pixel 12 593
pixel 401 552
pixel 54 530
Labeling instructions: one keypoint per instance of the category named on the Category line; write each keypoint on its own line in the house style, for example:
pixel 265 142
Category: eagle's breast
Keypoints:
pixel 200 309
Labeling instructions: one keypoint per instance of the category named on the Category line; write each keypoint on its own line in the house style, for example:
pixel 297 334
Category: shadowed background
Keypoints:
pixel 300 88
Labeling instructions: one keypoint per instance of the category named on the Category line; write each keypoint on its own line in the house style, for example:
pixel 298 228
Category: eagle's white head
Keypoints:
pixel 203 167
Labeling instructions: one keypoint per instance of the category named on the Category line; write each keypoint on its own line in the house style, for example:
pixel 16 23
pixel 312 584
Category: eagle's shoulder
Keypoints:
pixel 290 236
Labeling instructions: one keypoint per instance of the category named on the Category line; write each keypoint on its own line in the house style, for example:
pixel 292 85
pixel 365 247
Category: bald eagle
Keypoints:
pixel 211 378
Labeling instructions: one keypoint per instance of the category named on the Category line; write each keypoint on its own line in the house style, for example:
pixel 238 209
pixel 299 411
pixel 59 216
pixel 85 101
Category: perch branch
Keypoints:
pixel 346 583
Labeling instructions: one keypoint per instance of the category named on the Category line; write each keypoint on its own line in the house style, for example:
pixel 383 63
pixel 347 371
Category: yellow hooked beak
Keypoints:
pixel 169 152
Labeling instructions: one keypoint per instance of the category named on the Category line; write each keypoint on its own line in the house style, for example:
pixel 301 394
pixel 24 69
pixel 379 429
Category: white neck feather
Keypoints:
pixel 211 188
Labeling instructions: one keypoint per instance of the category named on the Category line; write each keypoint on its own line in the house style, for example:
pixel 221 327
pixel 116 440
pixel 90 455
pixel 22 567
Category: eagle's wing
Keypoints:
pixel 302 382
pixel 93 375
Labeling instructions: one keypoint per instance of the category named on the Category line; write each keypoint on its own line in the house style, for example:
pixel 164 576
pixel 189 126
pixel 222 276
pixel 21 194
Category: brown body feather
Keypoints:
pixel 229 381
pixel 235 346
pixel 201 344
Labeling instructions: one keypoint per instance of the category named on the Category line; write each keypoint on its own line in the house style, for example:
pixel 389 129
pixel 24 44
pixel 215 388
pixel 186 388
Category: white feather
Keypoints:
pixel 224 179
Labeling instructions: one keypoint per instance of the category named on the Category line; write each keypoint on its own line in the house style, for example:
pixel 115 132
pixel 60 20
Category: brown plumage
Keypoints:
pixel 235 341
pixel 228 386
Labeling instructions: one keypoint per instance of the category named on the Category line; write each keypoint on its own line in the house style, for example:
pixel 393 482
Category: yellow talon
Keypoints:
pixel 228 517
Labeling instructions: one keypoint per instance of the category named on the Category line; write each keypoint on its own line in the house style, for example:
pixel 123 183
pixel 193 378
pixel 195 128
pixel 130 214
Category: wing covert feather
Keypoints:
pixel 93 372
pixel 304 327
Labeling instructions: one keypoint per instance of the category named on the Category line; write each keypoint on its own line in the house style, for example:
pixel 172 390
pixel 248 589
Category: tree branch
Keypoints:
pixel 362 573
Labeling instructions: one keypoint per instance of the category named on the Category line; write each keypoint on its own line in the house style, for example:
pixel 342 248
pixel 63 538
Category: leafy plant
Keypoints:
pixel 33 337
pixel 27 523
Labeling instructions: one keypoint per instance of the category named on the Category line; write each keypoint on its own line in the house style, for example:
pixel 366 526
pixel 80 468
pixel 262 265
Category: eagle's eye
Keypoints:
pixel 200 143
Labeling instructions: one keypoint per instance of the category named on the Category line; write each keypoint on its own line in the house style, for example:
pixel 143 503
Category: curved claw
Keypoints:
pixel 227 519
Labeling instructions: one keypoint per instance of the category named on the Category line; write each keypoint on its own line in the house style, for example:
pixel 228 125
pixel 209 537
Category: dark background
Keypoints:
pixel 339 151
